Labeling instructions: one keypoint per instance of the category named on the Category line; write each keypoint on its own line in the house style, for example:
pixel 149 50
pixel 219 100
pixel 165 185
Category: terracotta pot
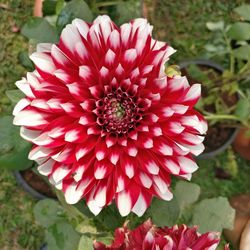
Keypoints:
pixel 38 8
pixel 245 237
pixel 241 203
pixel 242 143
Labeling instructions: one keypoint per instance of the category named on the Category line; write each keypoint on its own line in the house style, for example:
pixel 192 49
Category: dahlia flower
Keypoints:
pixel 149 237
pixel 105 121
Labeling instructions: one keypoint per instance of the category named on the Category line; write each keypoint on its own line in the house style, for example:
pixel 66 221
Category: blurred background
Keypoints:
pixel 212 42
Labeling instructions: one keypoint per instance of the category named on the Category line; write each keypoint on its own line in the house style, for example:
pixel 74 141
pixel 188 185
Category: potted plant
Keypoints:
pixel 233 41
pixel 217 103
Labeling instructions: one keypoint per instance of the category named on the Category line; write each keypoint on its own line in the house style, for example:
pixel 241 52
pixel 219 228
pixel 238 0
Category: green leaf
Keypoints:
pixel 39 29
pixel 74 9
pixel 13 149
pixel 213 26
pixel 243 11
pixel 186 193
pixel 243 109
pixel 110 218
pixel 85 243
pixel 24 59
pixel 15 95
pixel 49 7
pixel 85 227
pixel 17 159
pixel 213 215
pixel 164 212
pixel 242 52
pixel 128 10
pixel 239 31
pixel 46 212
pixel 62 236
pixel 59 6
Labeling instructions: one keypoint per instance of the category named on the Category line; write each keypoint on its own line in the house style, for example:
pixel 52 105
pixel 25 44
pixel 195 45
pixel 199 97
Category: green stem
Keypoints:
pixel 103 4
pixel 222 117
pixel 232 59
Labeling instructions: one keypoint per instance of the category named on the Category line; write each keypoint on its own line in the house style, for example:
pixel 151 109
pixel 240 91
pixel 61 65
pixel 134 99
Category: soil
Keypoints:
pixel 37 183
pixel 219 133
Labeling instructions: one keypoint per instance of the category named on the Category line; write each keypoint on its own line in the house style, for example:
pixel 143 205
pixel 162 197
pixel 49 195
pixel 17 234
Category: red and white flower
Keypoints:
pixel 148 237
pixel 106 122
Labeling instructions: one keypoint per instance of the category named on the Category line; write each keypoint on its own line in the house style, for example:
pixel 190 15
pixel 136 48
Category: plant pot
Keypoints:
pixel 225 134
pixel 38 6
pixel 241 143
pixel 34 184
pixel 241 204
pixel 245 237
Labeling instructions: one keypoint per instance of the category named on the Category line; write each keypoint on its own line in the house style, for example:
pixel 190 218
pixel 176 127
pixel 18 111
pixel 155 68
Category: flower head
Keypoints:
pixel 105 120
pixel 149 237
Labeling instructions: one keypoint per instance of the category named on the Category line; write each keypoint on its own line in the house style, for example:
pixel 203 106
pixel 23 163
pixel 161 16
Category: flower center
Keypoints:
pixel 118 112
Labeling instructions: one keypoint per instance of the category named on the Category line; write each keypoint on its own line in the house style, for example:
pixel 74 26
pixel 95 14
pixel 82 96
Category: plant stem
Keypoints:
pixel 222 117
pixel 232 59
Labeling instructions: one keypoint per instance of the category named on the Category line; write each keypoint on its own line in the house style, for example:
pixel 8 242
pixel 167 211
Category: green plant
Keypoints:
pixel 232 41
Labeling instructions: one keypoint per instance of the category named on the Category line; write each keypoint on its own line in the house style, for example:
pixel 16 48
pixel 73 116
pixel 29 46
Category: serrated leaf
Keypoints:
pixel 213 26
pixel 239 31
pixel 62 236
pixel 213 215
pixel 13 149
pixel 186 193
pixel 243 11
pixel 74 9
pixel 242 52
pixel 40 30
pixel 85 243
pixel 15 95
pixel 46 212
pixel 164 212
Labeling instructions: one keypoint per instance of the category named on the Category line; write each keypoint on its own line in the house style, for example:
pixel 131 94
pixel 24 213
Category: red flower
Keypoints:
pixel 105 120
pixel 149 237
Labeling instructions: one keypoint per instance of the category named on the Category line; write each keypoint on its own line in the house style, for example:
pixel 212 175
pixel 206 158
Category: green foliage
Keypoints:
pixel 186 193
pixel 85 243
pixel 49 7
pixel 239 31
pixel 110 218
pixel 40 30
pixel 59 233
pixel 47 212
pixel 243 11
pixel 213 215
pixel 74 9
pixel 18 229
pixel 15 95
pixel 25 61
pixel 242 52
pixel 214 26
pixel 243 108
pixel 164 212
pixel 128 10
pixel 13 149
pixel 62 236
pixel 186 208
